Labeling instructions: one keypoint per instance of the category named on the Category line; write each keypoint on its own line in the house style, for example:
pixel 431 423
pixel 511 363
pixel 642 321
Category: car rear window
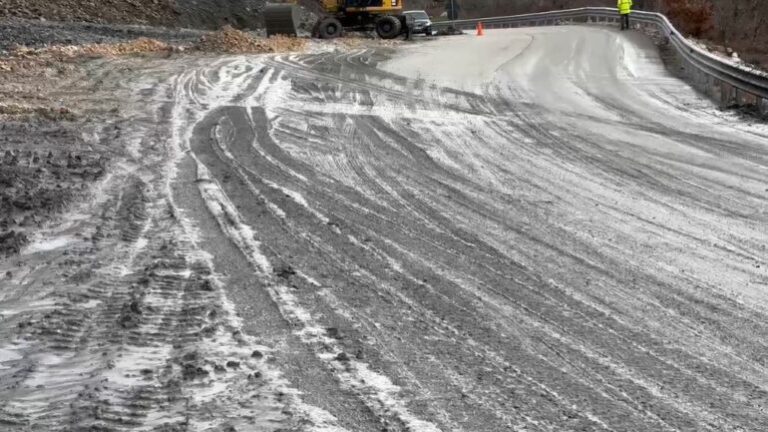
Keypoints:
pixel 418 14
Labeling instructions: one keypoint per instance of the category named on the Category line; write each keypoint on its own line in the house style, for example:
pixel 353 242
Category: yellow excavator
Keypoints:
pixel 383 16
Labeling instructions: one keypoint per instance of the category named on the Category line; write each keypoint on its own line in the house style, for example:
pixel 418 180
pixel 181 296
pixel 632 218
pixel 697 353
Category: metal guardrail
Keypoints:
pixel 729 83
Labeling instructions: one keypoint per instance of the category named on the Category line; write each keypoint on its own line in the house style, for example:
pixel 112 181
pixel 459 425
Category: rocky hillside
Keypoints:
pixel 206 14
pixel 738 24
pixel 743 25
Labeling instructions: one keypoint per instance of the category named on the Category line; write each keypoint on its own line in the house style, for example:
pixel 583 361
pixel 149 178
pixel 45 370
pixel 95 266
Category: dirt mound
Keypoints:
pixel 29 61
pixel 141 45
pixel 49 113
pixel 231 40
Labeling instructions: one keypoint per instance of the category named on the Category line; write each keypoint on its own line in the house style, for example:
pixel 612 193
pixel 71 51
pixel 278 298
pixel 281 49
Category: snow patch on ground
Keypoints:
pixel 8 355
pixel 49 244
pixel 355 374
pixel 298 199
pixel 436 61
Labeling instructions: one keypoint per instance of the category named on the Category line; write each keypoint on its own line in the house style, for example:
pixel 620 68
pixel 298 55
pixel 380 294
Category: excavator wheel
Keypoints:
pixel 329 28
pixel 388 27
pixel 281 19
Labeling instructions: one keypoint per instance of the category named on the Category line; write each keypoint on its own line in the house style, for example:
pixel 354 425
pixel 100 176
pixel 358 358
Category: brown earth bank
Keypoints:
pixel 207 14
pixel 46 161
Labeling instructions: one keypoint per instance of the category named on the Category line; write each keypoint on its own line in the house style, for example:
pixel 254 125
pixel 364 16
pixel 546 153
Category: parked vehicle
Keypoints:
pixel 421 22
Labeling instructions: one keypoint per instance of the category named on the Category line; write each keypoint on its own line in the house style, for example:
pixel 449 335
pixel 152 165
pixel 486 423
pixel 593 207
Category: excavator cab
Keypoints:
pixel 356 6
pixel 363 3
pixel 383 16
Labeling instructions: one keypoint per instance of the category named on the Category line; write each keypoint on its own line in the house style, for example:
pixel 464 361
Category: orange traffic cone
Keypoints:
pixel 480 29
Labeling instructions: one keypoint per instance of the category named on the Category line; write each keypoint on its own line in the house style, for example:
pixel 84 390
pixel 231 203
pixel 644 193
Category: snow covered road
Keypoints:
pixel 540 229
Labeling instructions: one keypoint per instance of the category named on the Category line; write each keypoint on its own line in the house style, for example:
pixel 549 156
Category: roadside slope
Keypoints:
pixel 200 14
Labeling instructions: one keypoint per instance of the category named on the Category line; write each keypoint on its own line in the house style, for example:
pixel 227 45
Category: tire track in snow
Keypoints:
pixel 376 389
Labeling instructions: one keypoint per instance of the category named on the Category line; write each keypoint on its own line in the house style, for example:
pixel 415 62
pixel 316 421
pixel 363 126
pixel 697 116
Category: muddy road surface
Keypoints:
pixel 539 230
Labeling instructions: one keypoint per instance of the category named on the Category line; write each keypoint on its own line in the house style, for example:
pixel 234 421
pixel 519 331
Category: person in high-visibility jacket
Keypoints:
pixel 625 8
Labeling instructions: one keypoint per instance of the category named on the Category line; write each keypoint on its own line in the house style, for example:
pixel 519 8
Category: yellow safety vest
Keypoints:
pixel 625 6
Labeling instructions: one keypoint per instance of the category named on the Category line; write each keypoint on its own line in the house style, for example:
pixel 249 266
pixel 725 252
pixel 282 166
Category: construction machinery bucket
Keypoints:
pixel 281 19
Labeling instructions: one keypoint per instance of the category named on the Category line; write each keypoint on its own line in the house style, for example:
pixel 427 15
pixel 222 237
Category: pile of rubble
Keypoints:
pixel 49 113
pixel 227 40
pixel 231 40
pixel 29 61
pixel 57 58
pixel 138 46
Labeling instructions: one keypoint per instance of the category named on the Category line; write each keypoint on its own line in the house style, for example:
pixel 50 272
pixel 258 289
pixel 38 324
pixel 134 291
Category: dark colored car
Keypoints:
pixel 421 21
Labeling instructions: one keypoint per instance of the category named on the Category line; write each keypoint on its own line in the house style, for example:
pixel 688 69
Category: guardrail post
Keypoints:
pixel 715 89
pixel 752 100
pixel 709 85
pixel 696 78
pixel 704 81
pixel 762 106
pixel 729 95
pixel 724 90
